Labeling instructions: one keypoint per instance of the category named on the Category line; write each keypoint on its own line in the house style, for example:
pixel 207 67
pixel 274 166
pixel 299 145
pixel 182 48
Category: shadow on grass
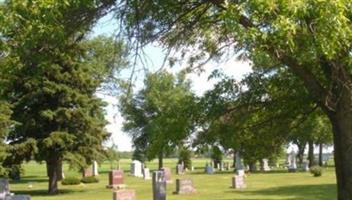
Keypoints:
pixel 322 192
pixel 28 179
pixel 44 192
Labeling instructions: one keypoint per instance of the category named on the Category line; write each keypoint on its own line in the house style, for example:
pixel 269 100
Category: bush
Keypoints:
pixel 316 171
pixel 71 181
pixel 90 179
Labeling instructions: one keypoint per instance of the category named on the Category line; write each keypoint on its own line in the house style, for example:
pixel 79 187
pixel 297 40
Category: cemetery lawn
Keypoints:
pixel 271 185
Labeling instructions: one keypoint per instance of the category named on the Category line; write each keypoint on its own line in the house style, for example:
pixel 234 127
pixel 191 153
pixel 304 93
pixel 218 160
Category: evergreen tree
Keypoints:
pixel 51 82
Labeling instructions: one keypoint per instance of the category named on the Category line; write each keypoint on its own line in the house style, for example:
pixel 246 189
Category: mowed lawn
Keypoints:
pixel 271 185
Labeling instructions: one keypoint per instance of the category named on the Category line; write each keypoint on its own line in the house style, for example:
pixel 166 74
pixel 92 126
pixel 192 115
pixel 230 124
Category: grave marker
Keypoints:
pixel 18 197
pixel 136 168
pixel 124 195
pixel 167 174
pixel 292 162
pixel 95 168
pixel 185 186
pixel 209 169
pixel 266 165
pixel 159 185
pixel 116 179
pixel 146 173
pixel 238 182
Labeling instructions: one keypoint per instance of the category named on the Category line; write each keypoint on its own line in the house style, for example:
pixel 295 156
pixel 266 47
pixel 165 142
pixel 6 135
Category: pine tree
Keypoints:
pixel 52 78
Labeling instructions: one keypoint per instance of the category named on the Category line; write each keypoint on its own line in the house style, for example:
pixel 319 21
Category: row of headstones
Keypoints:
pixel 5 193
pixel 160 180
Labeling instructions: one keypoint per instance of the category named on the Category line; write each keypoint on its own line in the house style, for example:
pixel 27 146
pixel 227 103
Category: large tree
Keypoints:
pixel 51 78
pixel 310 38
pixel 160 116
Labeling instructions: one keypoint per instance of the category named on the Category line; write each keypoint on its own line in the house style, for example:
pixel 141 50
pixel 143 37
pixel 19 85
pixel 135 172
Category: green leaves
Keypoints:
pixel 159 116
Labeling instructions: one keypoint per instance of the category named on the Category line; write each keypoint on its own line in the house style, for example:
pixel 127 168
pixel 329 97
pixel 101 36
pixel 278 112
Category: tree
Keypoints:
pixel 159 117
pixel 51 82
pixel 310 38
pixel 112 155
pixel 254 116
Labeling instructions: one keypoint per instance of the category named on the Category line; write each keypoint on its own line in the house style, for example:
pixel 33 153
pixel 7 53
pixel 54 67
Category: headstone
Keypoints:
pixel 146 173
pixel 18 197
pixel 4 188
pixel 241 172
pixel 95 168
pixel 179 169
pixel 159 185
pixel 266 165
pixel 185 186
pixel 116 179
pixel 238 182
pixel 167 174
pixel 292 162
pixel 124 195
pixel 136 168
pixel 87 172
pixel 209 169
pixel 305 166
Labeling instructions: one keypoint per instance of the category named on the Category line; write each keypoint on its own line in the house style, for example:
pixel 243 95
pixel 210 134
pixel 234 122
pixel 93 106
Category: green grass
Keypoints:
pixel 265 186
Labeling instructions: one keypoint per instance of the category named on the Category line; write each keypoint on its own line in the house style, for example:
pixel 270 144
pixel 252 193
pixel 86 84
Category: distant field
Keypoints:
pixel 272 185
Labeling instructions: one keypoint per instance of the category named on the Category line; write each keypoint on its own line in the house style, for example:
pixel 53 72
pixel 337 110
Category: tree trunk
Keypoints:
pixel 253 166
pixel 59 171
pixel 342 129
pixel 160 160
pixel 321 154
pixel 311 153
pixel 234 160
pixel 53 165
pixel 300 154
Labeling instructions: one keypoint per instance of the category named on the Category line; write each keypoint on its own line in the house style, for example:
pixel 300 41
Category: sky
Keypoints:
pixel 155 56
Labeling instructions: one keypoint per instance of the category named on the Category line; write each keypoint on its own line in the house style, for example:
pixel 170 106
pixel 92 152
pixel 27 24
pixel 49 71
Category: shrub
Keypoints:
pixel 71 181
pixel 316 171
pixel 90 179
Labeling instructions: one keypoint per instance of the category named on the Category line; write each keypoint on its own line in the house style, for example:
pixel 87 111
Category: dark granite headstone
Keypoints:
pixel 116 177
pixel 185 186
pixel 167 172
pixel 18 197
pixel 238 182
pixel 159 185
pixel 124 195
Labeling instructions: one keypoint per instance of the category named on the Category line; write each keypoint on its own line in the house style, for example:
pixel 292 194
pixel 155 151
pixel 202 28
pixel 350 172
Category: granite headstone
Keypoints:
pixel 124 195
pixel 159 185
pixel 185 186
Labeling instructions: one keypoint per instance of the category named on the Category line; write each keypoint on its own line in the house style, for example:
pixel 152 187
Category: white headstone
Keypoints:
pixel 266 165
pixel 95 168
pixel 292 161
pixel 146 174
pixel 136 168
